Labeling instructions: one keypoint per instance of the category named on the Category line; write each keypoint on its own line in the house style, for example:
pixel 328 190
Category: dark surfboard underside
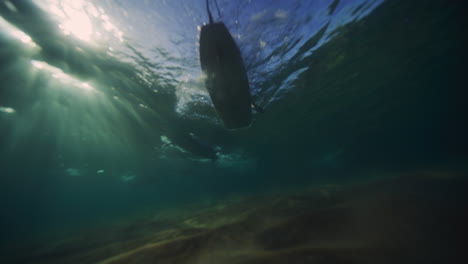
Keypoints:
pixel 226 77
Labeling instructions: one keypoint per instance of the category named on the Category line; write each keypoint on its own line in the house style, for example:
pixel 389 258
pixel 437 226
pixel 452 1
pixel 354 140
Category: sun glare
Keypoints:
pixel 81 19
pixel 77 24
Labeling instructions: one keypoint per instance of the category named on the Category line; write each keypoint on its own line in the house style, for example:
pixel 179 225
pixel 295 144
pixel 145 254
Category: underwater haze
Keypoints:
pixel 112 152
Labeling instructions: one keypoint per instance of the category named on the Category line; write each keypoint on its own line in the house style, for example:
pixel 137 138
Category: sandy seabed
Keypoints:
pixel 418 217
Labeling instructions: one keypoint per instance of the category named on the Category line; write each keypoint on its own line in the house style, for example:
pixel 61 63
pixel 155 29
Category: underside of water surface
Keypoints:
pixel 111 150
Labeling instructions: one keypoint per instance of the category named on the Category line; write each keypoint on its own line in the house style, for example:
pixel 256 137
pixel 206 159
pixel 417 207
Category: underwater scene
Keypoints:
pixel 117 143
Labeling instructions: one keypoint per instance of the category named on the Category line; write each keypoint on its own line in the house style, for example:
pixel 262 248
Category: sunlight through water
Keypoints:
pixel 82 19
pixel 58 74
pixel 16 33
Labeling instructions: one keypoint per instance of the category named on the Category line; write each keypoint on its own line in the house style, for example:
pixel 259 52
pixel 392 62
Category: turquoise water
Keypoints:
pixel 104 114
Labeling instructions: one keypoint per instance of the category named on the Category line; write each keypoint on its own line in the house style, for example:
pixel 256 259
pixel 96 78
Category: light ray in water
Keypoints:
pixel 57 73
pixel 11 30
pixel 7 110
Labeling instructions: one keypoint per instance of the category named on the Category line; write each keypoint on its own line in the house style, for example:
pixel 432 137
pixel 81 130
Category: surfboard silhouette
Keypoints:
pixel 226 78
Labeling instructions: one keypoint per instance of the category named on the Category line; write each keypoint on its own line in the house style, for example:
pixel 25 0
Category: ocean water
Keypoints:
pixel 105 120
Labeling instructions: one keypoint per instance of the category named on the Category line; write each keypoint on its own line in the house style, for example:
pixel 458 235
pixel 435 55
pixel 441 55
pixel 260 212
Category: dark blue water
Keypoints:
pixel 104 114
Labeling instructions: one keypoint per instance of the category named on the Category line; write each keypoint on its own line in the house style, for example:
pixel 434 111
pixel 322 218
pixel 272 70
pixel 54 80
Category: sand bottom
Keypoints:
pixel 412 218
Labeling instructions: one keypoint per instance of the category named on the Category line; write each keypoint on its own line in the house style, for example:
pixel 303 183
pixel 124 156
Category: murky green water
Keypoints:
pixel 104 115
